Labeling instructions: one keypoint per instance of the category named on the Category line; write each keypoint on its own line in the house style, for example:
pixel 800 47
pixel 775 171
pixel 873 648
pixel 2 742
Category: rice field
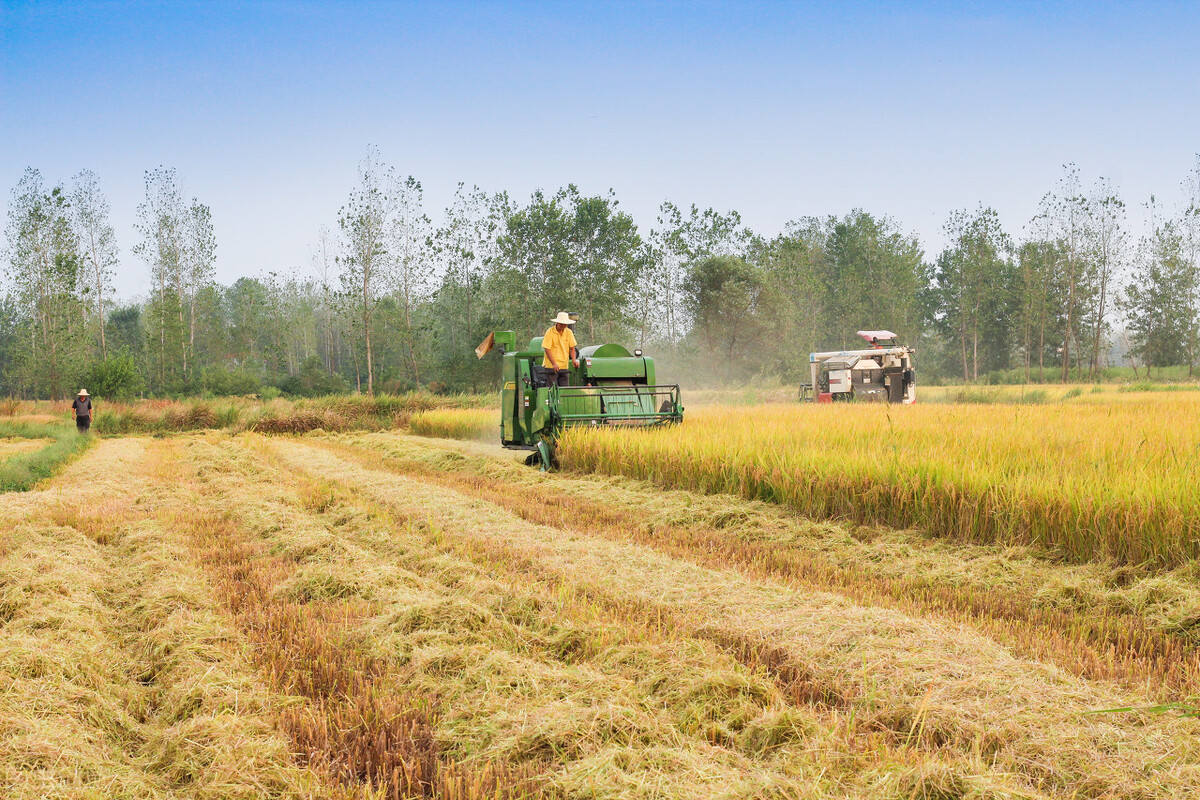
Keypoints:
pixel 1106 476
pixel 456 423
pixel 357 611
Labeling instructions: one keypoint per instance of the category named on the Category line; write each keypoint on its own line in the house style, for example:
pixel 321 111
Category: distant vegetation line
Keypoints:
pixel 392 301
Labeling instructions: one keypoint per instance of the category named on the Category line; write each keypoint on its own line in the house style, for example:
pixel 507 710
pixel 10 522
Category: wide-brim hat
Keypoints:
pixel 562 319
pixel 83 393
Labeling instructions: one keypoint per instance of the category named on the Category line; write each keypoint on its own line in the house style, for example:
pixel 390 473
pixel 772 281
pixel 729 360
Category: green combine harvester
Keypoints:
pixel 611 386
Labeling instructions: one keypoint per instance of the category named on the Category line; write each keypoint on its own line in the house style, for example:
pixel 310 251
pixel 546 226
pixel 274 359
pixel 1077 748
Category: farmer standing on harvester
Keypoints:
pixel 82 408
pixel 558 344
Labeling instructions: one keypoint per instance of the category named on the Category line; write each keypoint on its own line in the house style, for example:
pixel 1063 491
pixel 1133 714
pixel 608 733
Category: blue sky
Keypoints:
pixel 777 110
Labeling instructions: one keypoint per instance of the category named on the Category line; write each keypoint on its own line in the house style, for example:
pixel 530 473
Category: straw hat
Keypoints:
pixel 83 393
pixel 562 319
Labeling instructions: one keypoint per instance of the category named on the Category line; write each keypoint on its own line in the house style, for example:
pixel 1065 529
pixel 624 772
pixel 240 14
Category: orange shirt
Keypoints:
pixel 559 345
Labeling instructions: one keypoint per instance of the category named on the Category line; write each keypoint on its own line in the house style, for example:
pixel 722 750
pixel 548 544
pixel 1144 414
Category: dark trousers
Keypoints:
pixel 82 424
pixel 549 377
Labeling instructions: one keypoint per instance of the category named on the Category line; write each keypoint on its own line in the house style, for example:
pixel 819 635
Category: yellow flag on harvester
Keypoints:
pixel 486 346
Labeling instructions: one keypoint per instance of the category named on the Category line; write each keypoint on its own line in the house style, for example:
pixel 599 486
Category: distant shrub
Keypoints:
pixel 117 378
pixel 313 381
pixel 222 382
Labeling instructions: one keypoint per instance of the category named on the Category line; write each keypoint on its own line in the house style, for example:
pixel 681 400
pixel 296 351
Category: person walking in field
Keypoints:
pixel 558 345
pixel 82 407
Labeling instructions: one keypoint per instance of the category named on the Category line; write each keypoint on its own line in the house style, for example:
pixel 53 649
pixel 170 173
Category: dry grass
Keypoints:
pixel 11 447
pixel 1089 480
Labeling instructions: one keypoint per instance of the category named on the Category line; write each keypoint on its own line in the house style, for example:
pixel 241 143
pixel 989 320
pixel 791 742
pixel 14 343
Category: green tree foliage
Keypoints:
pixel 1036 304
pixel 827 279
pixel 725 299
pixel 974 276
pixel 313 380
pixel 1160 300
pixel 460 314
pixel 97 247
pixel 565 252
pixel 118 378
pixel 873 272
pixel 179 246
pixel 390 301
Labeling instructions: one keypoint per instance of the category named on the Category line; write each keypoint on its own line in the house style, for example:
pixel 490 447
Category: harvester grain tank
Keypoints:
pixel 882 373
pixel 611 386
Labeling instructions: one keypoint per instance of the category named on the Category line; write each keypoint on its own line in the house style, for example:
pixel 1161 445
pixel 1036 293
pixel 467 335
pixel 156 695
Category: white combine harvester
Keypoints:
pixel 882 373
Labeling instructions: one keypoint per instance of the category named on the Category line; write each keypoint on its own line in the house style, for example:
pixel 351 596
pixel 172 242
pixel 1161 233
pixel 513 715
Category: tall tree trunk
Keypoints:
pixel 99 299
pixel 975 354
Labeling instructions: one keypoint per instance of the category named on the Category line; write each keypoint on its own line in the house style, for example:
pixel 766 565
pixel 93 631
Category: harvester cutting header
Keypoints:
pixel 884 373
pixel 551 385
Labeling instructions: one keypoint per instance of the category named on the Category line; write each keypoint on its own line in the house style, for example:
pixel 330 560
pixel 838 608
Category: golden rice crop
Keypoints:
pixel 456 423
pixel 338 412
pixel 1110 476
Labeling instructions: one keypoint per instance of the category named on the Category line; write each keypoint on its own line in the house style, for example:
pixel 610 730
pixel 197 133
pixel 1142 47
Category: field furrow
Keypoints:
pixel 924 680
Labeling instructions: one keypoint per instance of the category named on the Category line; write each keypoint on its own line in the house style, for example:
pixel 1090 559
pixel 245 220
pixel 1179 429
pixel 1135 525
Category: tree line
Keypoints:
pixel 392 301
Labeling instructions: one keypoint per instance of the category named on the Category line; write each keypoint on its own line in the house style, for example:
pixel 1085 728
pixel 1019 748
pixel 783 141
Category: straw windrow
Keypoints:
pixel 924 681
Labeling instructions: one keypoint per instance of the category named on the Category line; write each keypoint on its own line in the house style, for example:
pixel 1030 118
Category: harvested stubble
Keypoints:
pixel 536 674
pixel 1105 479
pixel 357 722
pixel 1095 620
pixel 119 680
pixel 1013 726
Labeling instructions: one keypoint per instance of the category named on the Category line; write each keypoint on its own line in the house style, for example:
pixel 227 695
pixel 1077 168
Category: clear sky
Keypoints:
pixel 777 110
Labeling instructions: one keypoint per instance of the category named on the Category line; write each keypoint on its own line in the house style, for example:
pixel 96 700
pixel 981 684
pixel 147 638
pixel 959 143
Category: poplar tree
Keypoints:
pixel 1189 226
pixel 365 221
pixel 465 248
pixel 162 222
pixel 410 242
pixel 1106 246
pixel 200 246
pixel 1066 213
pixel 97 244
pixel 44 267
pixel 972 282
